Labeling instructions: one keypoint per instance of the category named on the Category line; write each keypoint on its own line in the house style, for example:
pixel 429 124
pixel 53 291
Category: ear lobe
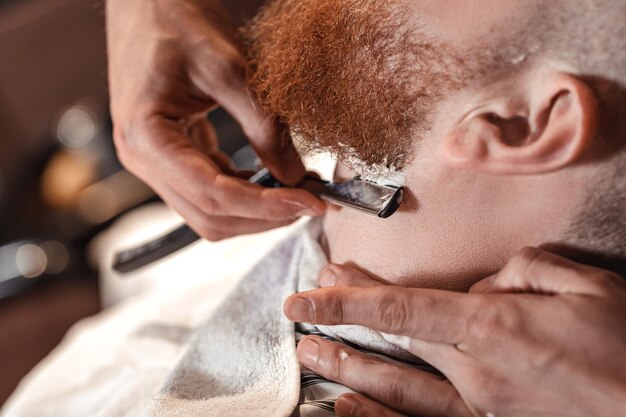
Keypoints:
pixel 550 130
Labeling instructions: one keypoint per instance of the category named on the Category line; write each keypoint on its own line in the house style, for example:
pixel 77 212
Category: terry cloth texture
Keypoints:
pixel 312 260
pixel 242 361
pixel 198 354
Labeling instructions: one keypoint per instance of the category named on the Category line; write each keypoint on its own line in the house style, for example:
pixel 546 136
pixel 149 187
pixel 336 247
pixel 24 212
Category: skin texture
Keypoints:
pixel 490 161
pixel 501 158
pixel 183 61
pixel 472 338
pixel 502 162
pixel 330 83
pixel 467 212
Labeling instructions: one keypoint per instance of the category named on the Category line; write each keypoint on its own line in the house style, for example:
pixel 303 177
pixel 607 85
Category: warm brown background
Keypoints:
pixel 52 53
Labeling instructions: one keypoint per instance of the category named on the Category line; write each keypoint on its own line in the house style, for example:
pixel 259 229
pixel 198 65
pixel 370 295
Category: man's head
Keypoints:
pixel 506 117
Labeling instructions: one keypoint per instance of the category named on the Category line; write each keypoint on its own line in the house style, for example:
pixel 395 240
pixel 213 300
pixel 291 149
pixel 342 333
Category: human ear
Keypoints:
pixel 546 127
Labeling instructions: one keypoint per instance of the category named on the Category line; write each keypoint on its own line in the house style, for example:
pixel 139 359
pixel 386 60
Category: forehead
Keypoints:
pixel 462 21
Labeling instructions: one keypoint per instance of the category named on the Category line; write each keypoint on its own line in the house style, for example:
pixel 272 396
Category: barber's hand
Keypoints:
pixel 171 61
pixel 543 337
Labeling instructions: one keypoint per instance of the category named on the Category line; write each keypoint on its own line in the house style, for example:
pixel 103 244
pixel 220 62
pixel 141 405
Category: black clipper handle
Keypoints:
pixel 135 258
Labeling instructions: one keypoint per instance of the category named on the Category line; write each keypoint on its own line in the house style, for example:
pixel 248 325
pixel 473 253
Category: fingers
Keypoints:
pixel 270 140
pixel 343 275
pixel 400 387
pixel 202 135
pixel 172 79
pixel 226 83
pixel 160 150
pixel 233 196
pixel 537 271
pixel 204 138
pixel 430 315
pixel 355 405
pixel 443 356
pixel 216 228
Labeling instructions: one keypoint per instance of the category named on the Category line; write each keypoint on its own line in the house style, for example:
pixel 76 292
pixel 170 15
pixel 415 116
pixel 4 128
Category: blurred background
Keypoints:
pixel 60 182
pixel 54 144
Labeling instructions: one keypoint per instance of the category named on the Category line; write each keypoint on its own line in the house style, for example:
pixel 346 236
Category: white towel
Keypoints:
pixel 240 360
pixel 312 260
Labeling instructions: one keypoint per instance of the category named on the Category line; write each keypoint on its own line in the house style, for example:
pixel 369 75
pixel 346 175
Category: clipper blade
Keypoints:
pixel 362 195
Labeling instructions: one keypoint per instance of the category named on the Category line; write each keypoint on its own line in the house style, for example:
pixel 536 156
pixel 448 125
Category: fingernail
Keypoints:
pixel 328 278
pixel 300 309
pixel 308 351
pixel 347 406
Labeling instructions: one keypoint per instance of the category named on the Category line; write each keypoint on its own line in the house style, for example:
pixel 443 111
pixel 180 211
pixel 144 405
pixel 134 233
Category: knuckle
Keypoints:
pixel 612 277
pixel 547 357
pixel 208 231
pixel 123 141
pixel 491 319
pixel 525 258
pixel 126 132
pixel 208 202
pixel 336 311
pixel 595 277
pixel 120 138
pixel 479 329
pixel 341 274
pixel 393 392
pixel 128 138
pixel 335 364
pixel 486 386
pixel 393 311
pixel 452 405
pixel 528 261
pixel 528 253
pixel 270 209
pixel 475 378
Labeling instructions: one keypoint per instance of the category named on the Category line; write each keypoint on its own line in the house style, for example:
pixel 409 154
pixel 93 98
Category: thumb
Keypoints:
pixel 271 140
pixel 534 270
pixel 345 276
pixel 225 81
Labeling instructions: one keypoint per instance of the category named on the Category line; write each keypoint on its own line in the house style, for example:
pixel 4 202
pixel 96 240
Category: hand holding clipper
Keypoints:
pixel 365 196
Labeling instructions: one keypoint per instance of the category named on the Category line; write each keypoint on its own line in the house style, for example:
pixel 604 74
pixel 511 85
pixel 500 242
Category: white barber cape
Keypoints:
pixel 218 349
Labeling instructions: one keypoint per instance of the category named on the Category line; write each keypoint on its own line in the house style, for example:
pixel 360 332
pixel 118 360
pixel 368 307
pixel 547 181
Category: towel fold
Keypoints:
pixel 236 359
pixel 242 361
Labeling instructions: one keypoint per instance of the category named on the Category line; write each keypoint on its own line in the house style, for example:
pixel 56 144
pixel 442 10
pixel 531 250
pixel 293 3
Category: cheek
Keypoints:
pixel 462 21
pixel 437 240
